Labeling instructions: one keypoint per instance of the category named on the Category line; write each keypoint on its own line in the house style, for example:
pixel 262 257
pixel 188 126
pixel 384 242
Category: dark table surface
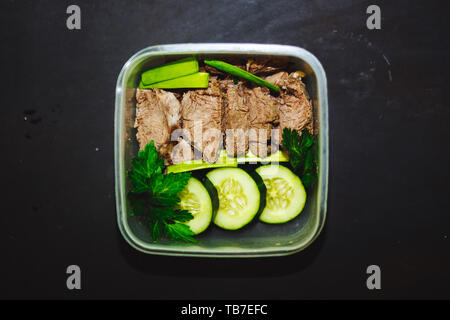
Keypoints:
pixel 389 177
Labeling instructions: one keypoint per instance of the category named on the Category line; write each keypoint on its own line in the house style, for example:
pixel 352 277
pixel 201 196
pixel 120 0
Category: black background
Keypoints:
pixel 389 151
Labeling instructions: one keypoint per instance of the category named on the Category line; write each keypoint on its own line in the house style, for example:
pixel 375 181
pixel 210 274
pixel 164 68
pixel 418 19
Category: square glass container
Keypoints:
pixel 258 239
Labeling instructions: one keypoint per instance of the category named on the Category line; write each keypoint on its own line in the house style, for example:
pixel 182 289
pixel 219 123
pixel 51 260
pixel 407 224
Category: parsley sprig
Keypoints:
pixel 154 196
pixel 302 154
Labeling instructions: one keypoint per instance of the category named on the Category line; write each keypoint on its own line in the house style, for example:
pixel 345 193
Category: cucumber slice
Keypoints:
pixel 285 197
pixel 197 200
pixel 170 70
pixel 212 194
pixel 239 197
pixel 195 80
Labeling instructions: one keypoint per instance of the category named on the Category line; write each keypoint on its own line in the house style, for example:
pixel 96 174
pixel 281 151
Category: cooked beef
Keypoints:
pixel 289 83
pixel 295 105
pixel 212 71
pixel 151 120
pixel 263 116
pixel 202 112
pixel 171 106
pixel 158 113
pixel 263 108
pixel 236 118
pixel 296 113
pixel 248 115
pixel 278 78
pixel 266 66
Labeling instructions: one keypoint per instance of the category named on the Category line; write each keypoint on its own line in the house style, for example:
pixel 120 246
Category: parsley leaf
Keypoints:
pixel 165 188
pixel 154 196
pixel 138 204
pixel 302 154
pixel 157 229
pixel 145 167
pixel 179 231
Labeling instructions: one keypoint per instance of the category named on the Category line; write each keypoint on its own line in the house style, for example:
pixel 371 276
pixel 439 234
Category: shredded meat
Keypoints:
pixel 263 108
pixel 202 112
pixel 263 116
pixel 248 115
pixel 236 119
pixel 171 106
pixel 212 71
pixel 266 66
pixel 158 114
pixel 151 119
pixel 278 78
pixel 295 106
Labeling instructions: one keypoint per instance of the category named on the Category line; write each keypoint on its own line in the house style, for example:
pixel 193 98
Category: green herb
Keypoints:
pixel 302 154
pixel 238 72
pixel 154 196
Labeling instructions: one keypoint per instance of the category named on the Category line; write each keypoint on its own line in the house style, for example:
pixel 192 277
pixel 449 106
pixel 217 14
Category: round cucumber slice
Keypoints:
pixel 196 199
pixel 285 197
pixel 239 197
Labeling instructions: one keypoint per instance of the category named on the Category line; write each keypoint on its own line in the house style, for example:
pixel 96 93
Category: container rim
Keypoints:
pixel 222 48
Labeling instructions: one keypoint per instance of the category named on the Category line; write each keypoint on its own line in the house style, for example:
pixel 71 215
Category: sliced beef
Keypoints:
pixel 151 120
pixel 278 78
pixel 236 118
pixel 263 108
pixel 266 66
pixel 248 116
pixel 263 116
pixel 171 106
pixel 202 112
pixel 158 113
pixel 295 106
pixel 212 71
